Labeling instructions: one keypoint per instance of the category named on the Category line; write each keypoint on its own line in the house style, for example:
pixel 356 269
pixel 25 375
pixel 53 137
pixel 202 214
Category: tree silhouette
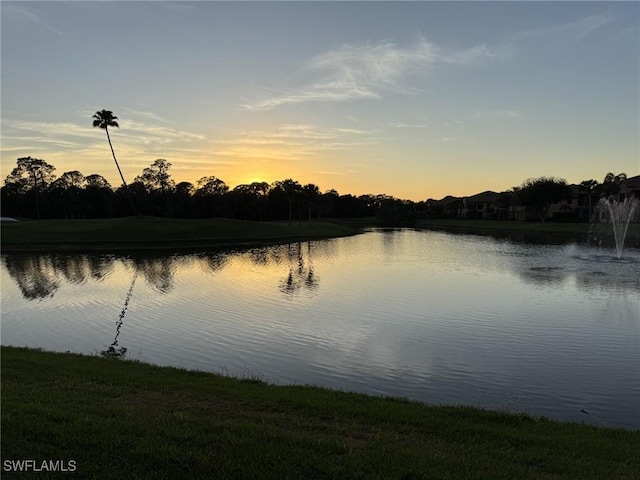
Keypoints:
pixel 37 171
pixel 211 186
pixel 210 196
pixel 588 186
pixel 537 194
pixel 311 193
pixel 67 189
pixel 292 190
pixel 157 177
pixel 611 183
pixel 105 119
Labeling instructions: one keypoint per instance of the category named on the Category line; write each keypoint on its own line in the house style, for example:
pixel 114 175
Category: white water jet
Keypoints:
pixel 613 217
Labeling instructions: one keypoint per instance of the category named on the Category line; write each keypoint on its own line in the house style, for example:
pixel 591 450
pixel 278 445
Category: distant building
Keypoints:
pixel 447 207
pixel 492 205
pixel 481 205
pixel 629 187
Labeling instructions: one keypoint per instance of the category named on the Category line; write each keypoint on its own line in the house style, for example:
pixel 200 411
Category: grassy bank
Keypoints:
pixel 158 232
pixel 119 419
pixel 509 226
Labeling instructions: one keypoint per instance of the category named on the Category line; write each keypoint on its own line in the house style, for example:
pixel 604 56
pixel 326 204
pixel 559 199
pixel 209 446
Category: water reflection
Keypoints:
pixel 437 317
pixel 77 269
pixel 585 268
pixel 39 275
pixel 159 272
pixel 544 275
pixel 34 274
pixel 114 350
pixel 301 273
pixel 215 262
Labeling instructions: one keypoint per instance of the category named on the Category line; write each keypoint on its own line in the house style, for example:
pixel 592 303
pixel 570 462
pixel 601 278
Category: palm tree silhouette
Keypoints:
pixel 105 119
pixel 611 183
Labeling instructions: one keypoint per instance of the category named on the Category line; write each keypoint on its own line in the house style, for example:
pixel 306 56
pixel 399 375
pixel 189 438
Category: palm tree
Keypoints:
pixel 105 119
pixel 311 194
pixel 611 183
pixel 589 186
pixel 292 190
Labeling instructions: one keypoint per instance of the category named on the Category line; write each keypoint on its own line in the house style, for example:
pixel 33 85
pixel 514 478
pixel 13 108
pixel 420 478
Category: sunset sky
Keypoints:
pixel 413 99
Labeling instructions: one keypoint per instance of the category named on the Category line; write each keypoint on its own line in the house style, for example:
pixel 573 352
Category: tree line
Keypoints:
pixel 32 190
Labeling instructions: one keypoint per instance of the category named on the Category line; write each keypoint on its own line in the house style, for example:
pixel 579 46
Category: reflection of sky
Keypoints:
pixel 433 316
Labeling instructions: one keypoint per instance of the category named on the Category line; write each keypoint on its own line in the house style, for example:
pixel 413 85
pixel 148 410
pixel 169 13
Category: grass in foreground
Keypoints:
pixel 156 230
pixel 131 420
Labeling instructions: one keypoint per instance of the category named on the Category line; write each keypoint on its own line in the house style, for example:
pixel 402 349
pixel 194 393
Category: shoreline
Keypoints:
pixel 155 233
pixel 81 247
pixel 119 418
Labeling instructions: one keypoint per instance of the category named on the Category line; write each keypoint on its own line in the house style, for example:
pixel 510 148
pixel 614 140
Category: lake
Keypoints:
pixel 545 329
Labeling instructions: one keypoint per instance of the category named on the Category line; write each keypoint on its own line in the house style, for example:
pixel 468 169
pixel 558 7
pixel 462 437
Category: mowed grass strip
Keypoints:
pixel 119 419
pixel 509 226
pixel 144 229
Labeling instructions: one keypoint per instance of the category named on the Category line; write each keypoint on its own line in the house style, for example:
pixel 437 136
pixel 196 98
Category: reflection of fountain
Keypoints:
pixel 612 217
pixel 114 350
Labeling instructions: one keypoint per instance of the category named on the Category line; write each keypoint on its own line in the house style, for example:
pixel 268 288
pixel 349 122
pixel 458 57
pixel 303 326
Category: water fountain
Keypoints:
pixel 612 218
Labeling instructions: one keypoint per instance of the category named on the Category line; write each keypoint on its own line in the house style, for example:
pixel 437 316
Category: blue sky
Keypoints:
pixel 412 99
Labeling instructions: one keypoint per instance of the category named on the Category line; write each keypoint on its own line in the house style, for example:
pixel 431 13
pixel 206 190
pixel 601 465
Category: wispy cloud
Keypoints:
pixel 138 131
pixel 488 115
pixel 134 139
pixel 337 91
pixel 575 30
pixel 146 115
pixel 24 13
pixel 148 133
pixel 355 72
pixel 408 125
pixel 293 141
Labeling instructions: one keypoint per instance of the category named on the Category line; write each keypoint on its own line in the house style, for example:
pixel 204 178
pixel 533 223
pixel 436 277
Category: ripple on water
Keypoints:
pixel 436 317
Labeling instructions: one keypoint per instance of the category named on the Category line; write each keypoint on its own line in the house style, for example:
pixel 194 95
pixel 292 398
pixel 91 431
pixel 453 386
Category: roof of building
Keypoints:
pixel 483 197
pixel 445 201
pixel 632 183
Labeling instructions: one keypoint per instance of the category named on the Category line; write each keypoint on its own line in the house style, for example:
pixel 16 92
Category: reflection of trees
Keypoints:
pixel 216 261
pixel 158 272
pixel 114 350
pixel 37 274
pixel 261 257
pixel 78 268
pixel 301 272
pixel 34 274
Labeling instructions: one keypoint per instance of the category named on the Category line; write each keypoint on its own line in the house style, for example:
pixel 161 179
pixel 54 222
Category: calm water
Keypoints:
pixel 550 330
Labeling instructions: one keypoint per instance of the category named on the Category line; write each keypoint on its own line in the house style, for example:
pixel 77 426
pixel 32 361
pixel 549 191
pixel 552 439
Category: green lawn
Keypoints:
pixel 149 232
pixel 509 226
pixel 155 231
pixel 118 419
